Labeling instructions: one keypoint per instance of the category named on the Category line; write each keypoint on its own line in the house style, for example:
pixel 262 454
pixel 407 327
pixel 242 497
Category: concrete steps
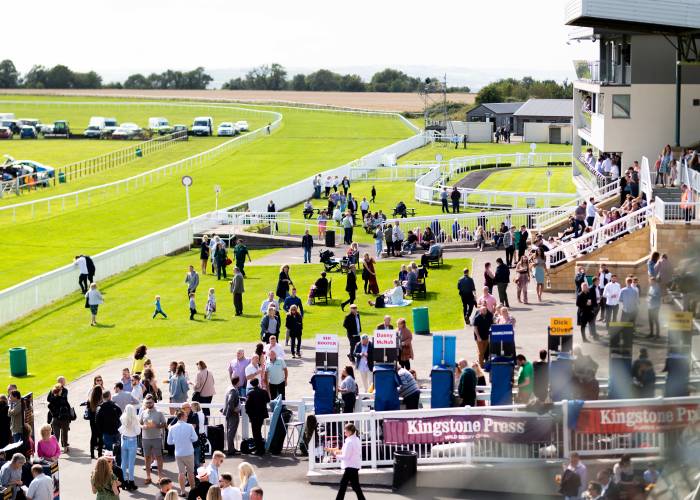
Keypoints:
pixel 668 194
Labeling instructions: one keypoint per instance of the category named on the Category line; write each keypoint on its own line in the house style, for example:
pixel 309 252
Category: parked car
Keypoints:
pixel 111 124
pixel 226 129
pixel 11 124
pixel 159 125
pixel 203 125
pixel 126 131
pixel 45 128
pixel 5 133
pixel 180 128
pixel 28 121
pixel 28 132
pixel 242 126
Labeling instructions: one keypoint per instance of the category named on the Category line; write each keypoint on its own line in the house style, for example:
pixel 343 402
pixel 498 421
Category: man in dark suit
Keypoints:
pixel 256 409
pixel 467 292
pixel 352 326
pixel 611 490
pixel 350 287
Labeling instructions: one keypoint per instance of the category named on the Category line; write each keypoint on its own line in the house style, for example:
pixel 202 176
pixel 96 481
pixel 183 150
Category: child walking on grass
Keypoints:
pixel 193 306
pixel 159 309
pixel 211 304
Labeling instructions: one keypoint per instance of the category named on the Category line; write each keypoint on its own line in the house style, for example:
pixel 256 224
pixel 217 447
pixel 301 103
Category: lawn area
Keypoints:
pixel 308 142
pixel 448 151
pixel 60 341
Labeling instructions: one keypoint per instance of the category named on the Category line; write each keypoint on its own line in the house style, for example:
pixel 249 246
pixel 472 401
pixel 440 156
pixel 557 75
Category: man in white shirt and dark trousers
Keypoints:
pixel 350 461
pixel 82 267
pixel 41 487
pixel 611 294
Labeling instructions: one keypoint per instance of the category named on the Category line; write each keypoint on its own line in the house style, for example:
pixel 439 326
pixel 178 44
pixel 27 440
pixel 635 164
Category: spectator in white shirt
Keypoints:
pixel 275 347
pixel 591 212
pixel 266 303
pixel 611 294
pixel 137 388
pixel 228 490
pixel 350 461
pixel 253 370
pixel 41 487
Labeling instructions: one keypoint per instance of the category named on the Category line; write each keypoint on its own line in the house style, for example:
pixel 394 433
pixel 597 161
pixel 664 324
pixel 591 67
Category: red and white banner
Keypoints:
pixel 326 343
pixel 385 339
pixel 652 418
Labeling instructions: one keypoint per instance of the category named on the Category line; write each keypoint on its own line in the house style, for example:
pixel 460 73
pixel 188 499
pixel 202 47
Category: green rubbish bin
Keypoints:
pixel 139 152
pixel 421 323
pixel 18 361
pixel 61 177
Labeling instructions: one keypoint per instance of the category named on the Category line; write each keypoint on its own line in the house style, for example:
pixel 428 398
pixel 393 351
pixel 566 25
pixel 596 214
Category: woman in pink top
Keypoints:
pixel 47 447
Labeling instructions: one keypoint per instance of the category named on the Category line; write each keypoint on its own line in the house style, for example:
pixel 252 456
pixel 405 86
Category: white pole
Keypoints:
pixel 187 198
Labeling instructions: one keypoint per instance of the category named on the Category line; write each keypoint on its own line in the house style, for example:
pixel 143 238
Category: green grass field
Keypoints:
pixel 61 342
pixel 308 142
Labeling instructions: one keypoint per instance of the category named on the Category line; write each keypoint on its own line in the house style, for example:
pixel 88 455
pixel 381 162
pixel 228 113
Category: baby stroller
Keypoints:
pixel 330 263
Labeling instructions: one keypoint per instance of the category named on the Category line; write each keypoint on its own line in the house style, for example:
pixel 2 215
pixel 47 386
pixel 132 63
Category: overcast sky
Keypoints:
pixel 116 38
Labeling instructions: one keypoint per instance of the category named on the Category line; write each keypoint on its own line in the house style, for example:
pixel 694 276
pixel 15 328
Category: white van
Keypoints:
pixel 160 125
pixel 203 125
pixel 7 116
pixel 96 127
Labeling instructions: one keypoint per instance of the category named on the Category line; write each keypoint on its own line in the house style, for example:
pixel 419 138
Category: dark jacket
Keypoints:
pixel 307 241
pixel 370 354
pixel 294 323
pixel 482 324
pixel 58 405
pixel 256 404
pixel 264 324
pixel 107 417
pixel 220 255
pixel 293 301
pixel 204 251
pixel 283 284
pixel 350 325
pixel 584 313
pixel 502 274
pixel 466 286
pixel 351 284
pixel 4 425
pixel 90 265
pixel 467 387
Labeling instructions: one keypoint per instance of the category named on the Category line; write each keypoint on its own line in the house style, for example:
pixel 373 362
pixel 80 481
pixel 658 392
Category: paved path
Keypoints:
pixel 280 474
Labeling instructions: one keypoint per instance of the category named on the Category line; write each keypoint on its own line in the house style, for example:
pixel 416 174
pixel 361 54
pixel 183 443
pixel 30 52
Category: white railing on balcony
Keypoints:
pixel 560 214
pixel 677 212
pixel 690 178
pixel 595 239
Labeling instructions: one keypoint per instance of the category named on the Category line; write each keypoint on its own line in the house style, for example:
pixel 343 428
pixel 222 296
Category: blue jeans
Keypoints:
pixel 242 391
pixel 110 440
pixel 16 438
pixel 378 245
pixel 307 255
pixel 128 457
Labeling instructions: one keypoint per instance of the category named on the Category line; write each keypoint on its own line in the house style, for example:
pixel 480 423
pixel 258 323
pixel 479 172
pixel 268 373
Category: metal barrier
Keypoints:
pixel 611 433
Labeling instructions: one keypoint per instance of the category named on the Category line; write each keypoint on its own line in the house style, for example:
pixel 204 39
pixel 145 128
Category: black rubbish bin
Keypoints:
pixel 405 469
pixel 330 238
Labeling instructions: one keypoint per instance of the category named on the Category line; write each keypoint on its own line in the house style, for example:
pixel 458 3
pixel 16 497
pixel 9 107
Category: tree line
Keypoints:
pixel 514 90
pixel 276 77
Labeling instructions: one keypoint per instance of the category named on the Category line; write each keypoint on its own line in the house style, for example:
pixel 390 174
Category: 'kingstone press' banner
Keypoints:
pixel 623 419
pixel 465 428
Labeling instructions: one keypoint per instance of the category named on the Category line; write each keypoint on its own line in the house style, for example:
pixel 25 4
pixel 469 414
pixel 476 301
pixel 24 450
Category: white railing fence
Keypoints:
pixel 676 212
pixel 595 239
pixel 646 186
pixel 562 442
pixel 563 212
pixel 85 197
pixel 691 178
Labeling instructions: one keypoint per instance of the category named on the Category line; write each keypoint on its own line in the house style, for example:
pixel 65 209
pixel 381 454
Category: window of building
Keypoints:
pixel 621 106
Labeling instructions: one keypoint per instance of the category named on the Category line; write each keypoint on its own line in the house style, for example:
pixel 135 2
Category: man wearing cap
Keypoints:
pixel 152 424
pixel 352 326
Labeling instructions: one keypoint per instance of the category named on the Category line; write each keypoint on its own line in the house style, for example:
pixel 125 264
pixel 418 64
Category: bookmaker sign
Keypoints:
pixel 656 418
pixel 462 428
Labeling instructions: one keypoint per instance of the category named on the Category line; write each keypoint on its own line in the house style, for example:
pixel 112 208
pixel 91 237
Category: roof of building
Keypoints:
pixel 547 107
pixel 501 108
pixel 645 16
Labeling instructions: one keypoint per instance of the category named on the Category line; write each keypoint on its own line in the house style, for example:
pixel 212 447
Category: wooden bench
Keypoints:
pixel 325 297
pixel 409 211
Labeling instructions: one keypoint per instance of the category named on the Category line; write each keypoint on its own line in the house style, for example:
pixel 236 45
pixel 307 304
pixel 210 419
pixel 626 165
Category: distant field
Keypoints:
pixel 380 101
pixel 308 142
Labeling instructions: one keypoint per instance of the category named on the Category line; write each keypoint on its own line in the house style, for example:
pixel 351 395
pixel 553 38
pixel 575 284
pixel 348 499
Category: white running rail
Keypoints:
pixel 595 239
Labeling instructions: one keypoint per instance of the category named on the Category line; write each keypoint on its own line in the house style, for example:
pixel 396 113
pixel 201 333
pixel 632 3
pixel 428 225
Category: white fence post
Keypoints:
pixel 373 438
pixel 565 429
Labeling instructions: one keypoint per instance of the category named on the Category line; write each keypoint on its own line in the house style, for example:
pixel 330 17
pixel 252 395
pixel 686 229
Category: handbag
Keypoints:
pixel 196 395
pixel 87 303
pixel 73 416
